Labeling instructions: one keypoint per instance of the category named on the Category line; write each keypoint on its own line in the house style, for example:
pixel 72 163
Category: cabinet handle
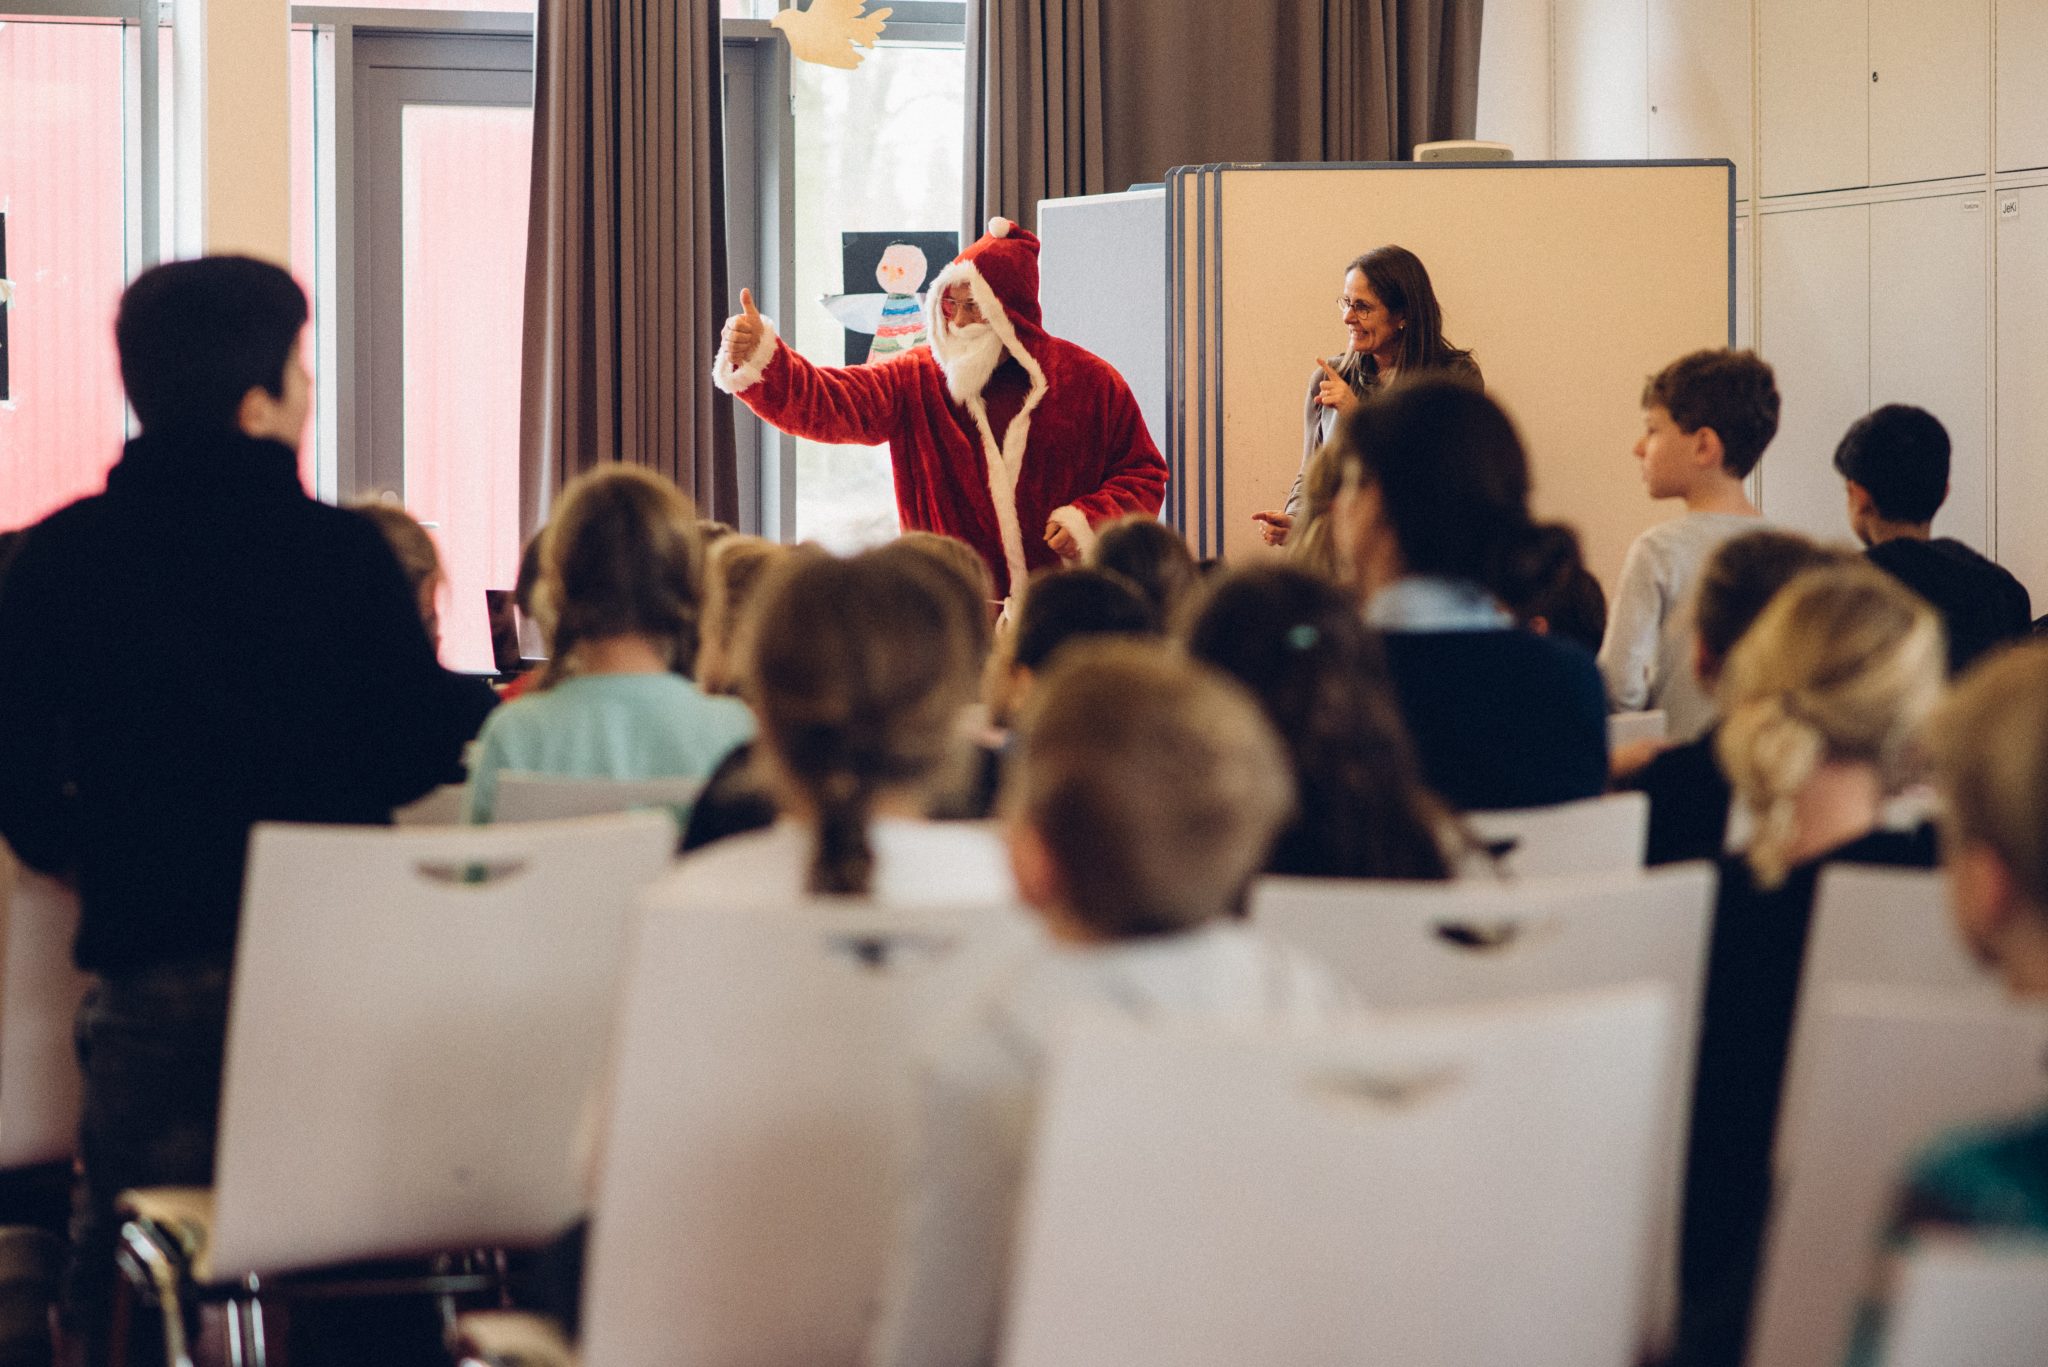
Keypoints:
pixel 1873 78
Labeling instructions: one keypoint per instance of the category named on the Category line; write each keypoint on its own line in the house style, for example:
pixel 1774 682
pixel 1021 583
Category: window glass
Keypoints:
pixel 303 261
pixel 466 171
pixel 61 146
pixel 879 150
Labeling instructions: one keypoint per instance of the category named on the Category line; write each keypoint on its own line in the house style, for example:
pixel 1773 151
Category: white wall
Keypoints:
pixel 1892 161
pixel 232 128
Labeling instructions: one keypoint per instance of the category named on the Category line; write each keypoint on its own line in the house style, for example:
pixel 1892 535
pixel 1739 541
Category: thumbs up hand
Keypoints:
pixel 743 331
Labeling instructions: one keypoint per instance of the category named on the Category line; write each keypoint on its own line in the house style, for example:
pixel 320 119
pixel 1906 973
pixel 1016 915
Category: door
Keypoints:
pixel 1930 89
pixel 1929 337
pixel 1816 334
pixel 1700 82
pixel 2022 488
pixel 442 166
pixel 1815 95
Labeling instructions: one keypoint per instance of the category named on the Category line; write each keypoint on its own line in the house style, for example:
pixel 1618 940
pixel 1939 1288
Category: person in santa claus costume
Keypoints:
pixel 999 433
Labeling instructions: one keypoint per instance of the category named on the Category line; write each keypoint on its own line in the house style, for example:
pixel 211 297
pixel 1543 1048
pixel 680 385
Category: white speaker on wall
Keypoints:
pixel 1463 149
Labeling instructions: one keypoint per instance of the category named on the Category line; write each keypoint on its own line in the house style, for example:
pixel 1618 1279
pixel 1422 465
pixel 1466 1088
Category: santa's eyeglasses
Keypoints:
pixel 949 307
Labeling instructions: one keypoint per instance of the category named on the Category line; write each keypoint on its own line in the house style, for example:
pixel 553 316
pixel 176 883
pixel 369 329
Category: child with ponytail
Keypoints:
pixel 1823 702
pixel 860 671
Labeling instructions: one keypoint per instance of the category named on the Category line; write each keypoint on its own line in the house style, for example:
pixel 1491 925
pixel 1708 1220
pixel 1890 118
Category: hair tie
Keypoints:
pixel 1302 637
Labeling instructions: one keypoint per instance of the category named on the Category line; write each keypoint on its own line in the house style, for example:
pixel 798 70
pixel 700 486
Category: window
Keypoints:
pixel 63 141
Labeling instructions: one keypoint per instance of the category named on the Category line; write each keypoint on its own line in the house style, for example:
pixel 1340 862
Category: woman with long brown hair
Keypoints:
pixel 1393 328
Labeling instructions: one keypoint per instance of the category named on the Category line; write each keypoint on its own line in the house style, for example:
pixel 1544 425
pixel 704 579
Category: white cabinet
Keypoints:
pixel 1930 92
pixel 2022 395
pixel 1929 337
pixel 1699 82
pixel 1603 109
pixel 2022 93
pixel 1815 95
pixel 1745 285
pixel 1873 92
pixel 1514 76
pixel 1816 335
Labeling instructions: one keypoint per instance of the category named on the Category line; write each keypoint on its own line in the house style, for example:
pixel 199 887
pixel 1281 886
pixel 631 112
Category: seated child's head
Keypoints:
pixel 1991 761
pixel 1707 418
pixel 1061 606
pixel 1896 463
pixel 414 548
pixel 735 567
pixel 210 347
pixel 1842 668
pixel 1151 555
pixel 1741 576
pixel 621 557
pixel 858 670
pixel 1564 599
pixel 1145 793
pixel 962 568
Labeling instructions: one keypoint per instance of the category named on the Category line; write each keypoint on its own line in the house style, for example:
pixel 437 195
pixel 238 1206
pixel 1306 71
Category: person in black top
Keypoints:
pixel 1432 527
pixel 1688 793
pixel 1825 698
pixel 1895 461
pixel 198 648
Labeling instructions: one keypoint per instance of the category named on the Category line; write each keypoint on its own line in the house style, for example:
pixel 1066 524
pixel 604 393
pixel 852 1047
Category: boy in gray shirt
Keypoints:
pixel 1707 418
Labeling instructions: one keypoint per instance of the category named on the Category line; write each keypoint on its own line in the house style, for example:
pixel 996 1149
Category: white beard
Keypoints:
pixel 969 355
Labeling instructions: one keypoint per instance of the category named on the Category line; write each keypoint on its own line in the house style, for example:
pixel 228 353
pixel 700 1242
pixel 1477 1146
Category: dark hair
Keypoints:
pixel 528 577
pixel 1453 483
pixel 858 671
pixel 963 571
pixel 1568 599
pixel 1297 642
pixel 1401 282
pixel 1151 555
pixel 1733 392
pixel 1064 605
pixel 621 556
pixel 1900 454
pixel 196 336
pixel 1742 576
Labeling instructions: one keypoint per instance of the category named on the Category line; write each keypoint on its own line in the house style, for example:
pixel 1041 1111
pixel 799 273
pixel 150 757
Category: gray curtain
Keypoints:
pixel 625 254
pixel 1073 97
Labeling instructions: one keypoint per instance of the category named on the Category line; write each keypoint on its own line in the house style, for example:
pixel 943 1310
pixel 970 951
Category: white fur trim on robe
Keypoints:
pixel 734 379
pixel 1005 459
pixel 1076 524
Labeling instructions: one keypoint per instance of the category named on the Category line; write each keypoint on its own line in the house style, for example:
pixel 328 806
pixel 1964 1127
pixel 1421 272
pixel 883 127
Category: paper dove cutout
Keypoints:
pixel 828 32
pixel 896 316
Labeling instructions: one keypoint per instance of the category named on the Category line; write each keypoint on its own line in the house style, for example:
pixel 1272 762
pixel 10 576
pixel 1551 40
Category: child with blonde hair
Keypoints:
pixel 1144 797
pixel 1823 703
pixel 1991 765
pixel 620 595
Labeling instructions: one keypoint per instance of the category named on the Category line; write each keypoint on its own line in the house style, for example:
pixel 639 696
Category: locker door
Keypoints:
pixel 1814 326
pixel 1699 85
pixel 2022 94
pixel 1928 338
pixel 1930 93
pixel 1815 95
pixel 2022 396
pixel 1745 283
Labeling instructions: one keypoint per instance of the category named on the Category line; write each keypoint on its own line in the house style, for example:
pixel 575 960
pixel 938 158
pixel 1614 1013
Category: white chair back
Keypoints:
pixel 1609 834
pixel 442 807
pixel 1892 1070
pixel 1468 943
pixel 39 994
pixel 1444 1190
pixel 762 1108
pixel 418 1020
pixel 1984 1305
pixel 1874 927
pixel 549 797
pixel 1627 728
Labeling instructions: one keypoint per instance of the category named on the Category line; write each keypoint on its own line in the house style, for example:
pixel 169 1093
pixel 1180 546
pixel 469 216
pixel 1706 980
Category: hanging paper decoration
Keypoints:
pixel 830 31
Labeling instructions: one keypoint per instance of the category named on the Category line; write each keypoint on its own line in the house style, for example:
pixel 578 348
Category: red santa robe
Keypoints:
pixel 1054 437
